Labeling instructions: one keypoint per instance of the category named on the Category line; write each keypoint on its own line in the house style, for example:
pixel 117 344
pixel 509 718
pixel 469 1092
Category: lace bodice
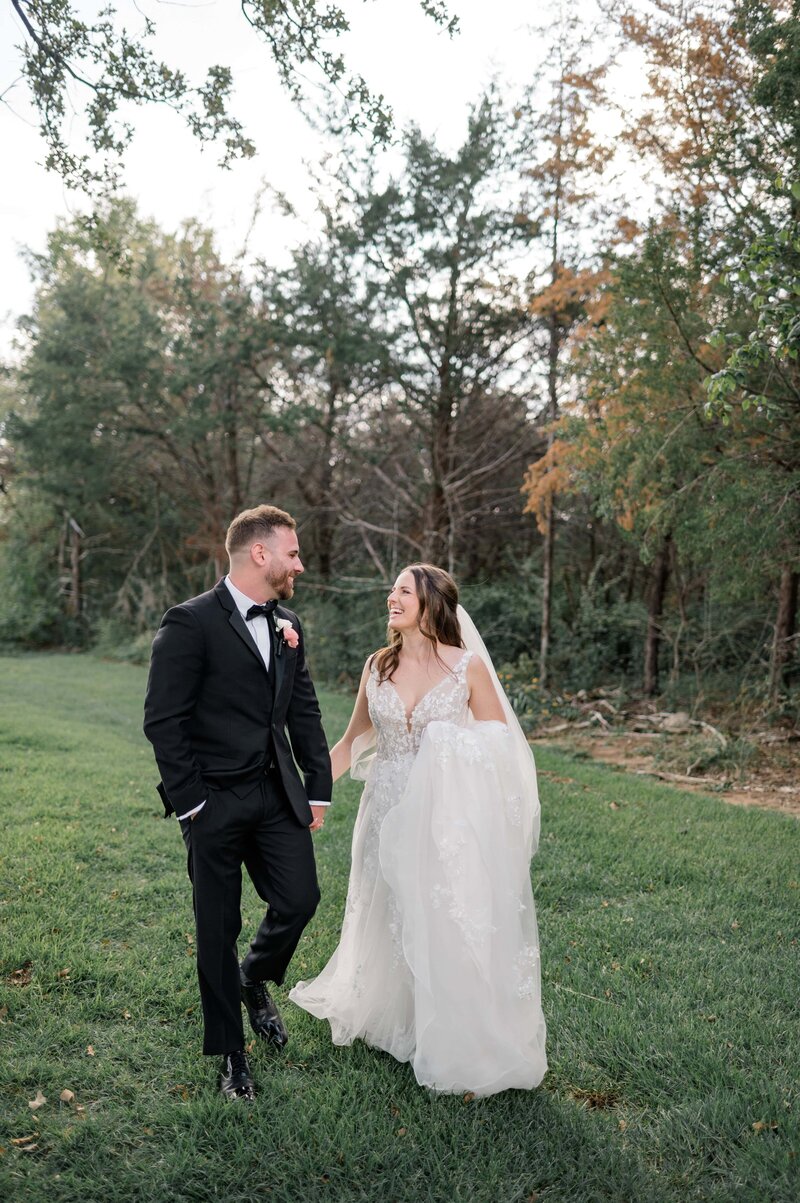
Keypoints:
pixel 398 734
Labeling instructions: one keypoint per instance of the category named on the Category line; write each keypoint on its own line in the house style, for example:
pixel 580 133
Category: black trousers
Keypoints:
pixel 261 832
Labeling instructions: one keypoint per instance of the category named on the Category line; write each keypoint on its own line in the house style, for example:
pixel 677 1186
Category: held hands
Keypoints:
pixel 318 821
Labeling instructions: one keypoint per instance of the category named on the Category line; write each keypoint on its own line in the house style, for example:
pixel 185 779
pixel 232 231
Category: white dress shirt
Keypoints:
pixel 259 629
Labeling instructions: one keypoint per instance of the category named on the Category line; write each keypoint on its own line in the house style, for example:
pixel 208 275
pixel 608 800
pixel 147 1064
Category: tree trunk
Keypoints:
pixel 231 449
pixel 553 351
pixel 325 523
pixel 547 596
pixel 783 643
pixel 549 532
pixel 74 599
pixel 437 535
pixel 659 577
pixel 592 547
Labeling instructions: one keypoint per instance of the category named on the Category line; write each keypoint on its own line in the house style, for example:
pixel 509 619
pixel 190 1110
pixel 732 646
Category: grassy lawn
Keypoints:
pixel 670 950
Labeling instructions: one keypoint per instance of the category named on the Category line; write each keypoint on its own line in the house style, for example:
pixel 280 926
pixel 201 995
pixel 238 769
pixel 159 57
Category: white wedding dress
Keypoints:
pixel 438 962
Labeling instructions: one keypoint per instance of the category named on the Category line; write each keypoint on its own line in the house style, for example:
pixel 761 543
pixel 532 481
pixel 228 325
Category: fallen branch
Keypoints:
pixel 768 789
pixel 563 727
pixel 684 777
pixel 707 727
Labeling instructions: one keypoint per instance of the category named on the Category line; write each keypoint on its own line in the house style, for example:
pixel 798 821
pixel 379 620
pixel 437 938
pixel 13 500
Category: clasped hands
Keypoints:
pixel 318 820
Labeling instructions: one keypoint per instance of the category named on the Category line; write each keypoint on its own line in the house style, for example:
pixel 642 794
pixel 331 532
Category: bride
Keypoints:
pixel 438 962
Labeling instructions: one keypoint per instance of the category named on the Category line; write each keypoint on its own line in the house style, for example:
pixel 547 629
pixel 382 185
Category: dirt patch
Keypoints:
pixel 771 781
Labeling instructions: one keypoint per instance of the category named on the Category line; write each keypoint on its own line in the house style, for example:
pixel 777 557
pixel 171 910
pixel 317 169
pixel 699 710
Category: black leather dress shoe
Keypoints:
pixel 265 1018
pixel 235 1081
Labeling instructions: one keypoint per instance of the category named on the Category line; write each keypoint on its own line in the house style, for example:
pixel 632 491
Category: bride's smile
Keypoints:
pixel 403 604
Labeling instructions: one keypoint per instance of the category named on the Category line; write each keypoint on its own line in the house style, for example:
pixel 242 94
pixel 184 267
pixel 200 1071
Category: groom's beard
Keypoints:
pixel 282 585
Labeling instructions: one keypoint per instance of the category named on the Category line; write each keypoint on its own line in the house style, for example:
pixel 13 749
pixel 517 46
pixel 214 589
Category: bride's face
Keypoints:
pixel 403 604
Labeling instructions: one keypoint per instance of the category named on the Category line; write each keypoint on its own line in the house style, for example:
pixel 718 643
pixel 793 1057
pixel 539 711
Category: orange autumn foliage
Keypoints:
pixel 700 80
pixel 567 294
pixel 544 478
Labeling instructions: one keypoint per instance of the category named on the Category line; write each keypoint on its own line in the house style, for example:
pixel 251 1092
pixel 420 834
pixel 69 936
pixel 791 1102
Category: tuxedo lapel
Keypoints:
pixel 279 660
pixel 238 623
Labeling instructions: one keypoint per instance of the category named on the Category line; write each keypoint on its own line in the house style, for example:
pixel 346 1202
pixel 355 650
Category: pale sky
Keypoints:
pixel 426 77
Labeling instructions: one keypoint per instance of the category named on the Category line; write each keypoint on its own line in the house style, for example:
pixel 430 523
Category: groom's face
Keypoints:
pixel 282 562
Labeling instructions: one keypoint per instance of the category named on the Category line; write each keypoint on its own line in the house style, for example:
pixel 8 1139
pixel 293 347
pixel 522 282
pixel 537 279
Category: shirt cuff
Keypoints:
pixel 189 813
pixel 310 803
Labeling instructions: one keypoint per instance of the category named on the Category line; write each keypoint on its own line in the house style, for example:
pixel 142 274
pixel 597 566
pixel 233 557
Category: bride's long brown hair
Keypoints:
pixel 437 594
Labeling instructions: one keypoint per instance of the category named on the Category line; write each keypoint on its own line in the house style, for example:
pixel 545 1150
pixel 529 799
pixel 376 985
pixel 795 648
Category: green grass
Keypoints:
pixel 670 953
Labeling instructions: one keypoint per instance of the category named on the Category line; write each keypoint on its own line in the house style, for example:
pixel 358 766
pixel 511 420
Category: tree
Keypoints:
pixel 331 362
pixel 757 392
pixel 635 440
pixel 568 160
pixel 762 367
pixel 115 68
pixel 442 245
pixel 94 351
pixel 720 124
pixel 142 404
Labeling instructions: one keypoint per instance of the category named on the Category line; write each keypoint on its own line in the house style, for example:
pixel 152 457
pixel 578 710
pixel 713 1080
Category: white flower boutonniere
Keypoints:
pixel 290 636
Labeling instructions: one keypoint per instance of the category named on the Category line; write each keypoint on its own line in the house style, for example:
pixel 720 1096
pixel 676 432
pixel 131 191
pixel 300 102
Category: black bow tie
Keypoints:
pixel 265 610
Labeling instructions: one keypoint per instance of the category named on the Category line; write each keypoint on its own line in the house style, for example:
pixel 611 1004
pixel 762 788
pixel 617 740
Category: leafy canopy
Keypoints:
pixel 115 67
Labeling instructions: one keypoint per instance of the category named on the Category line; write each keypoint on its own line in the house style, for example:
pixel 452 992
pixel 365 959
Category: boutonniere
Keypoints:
pixel 290 636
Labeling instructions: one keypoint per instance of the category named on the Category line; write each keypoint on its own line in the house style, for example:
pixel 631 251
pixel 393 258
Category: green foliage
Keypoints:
pixel 32 613
pixel 386 385
pixel 162 391
pixel 115 640
pixel 505 607
pixel 441 244
pixel 773 40
pixel 599 641
pixel 116 69
pixel 533 706
pixel 761 372
pixel 342 629
pixel 702 755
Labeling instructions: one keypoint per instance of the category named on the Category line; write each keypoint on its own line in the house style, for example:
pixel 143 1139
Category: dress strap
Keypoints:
pixel 463 664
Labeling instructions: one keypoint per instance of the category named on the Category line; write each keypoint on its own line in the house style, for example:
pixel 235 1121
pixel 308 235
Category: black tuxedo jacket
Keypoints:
pixel 217 718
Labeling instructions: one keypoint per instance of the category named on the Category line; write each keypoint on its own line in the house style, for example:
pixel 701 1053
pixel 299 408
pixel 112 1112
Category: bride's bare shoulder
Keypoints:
pixel 450 656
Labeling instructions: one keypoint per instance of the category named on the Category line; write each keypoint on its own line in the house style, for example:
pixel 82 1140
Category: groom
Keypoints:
pixel 228 682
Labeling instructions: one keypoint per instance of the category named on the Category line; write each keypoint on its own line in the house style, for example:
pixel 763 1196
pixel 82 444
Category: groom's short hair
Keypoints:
pixel 258 523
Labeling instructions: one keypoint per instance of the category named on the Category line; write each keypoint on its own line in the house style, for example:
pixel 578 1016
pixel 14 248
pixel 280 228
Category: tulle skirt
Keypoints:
pixel 438 962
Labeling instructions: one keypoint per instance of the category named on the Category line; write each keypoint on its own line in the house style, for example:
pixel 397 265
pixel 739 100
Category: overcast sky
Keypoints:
pixel 426 76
